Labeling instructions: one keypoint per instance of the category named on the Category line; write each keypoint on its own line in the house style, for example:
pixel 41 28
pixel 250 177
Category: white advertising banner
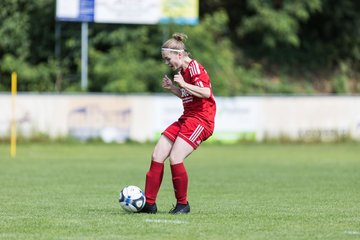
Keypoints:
pixel 237 119
pixel 320 118
pixel 167 110
pixel 114 118
pixel 129 11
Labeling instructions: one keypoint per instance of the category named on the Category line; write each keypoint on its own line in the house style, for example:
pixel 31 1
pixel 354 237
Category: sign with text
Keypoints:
pixel 129 11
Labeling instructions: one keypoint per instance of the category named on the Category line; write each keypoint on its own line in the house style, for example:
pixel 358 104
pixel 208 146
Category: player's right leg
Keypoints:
pixel 162 149
pixel 155 174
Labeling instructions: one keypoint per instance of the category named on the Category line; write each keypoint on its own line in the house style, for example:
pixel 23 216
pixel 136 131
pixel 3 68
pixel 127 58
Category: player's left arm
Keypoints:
pixel 197 91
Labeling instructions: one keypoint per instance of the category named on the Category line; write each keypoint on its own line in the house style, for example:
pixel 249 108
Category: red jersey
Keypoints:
pixel 200 108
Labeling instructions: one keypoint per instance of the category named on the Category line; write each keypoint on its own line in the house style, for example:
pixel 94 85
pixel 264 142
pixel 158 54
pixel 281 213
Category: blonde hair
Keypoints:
pixel 176 42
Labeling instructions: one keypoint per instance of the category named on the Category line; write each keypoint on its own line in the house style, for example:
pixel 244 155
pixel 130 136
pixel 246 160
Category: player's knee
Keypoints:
pixel 175 159
pixel 154 156
pixel 157 157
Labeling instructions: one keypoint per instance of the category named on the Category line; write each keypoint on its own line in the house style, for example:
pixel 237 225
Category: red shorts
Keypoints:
pixel 192 130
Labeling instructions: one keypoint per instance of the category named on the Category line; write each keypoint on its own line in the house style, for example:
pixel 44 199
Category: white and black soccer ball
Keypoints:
pixel 132 199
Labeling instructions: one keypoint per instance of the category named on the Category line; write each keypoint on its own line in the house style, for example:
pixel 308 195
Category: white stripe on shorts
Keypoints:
pixel 196 133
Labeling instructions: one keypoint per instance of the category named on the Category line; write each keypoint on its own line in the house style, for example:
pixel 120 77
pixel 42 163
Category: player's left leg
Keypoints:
pixel 191 134
pixel 181 149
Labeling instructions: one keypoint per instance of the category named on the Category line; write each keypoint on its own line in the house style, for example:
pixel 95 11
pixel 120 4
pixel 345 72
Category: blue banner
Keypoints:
pixel 76 10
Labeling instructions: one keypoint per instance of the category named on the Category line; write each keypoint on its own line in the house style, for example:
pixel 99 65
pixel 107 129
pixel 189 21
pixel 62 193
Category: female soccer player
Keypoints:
pixel 195 125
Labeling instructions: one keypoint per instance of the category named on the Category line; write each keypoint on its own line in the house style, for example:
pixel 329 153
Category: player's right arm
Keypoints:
pixel 168 85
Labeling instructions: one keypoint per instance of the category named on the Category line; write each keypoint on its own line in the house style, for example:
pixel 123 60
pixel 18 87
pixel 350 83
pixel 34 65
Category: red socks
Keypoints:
pixel 180 182
pixel 153 181
pixel 154 178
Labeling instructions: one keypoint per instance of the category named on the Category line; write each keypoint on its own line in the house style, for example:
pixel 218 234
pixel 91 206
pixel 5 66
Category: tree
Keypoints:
pixel 257 46
pixel 24 43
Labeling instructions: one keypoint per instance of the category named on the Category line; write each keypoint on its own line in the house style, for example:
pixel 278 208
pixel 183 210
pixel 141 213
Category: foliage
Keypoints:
pixel 37 78
pixel 215 52
pixel 277 22
pixel 125 67
pixel 306 40
pixel 248 47
pixel 25 45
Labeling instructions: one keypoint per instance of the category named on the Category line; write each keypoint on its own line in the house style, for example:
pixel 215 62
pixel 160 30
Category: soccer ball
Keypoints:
pixel 132 199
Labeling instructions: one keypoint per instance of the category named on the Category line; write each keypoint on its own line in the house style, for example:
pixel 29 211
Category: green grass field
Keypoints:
pixel 251 191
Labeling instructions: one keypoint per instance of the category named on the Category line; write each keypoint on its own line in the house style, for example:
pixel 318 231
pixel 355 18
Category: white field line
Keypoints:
pixel 166 221
pixel 352 232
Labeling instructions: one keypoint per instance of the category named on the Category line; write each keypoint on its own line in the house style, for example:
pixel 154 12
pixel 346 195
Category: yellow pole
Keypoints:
pixel 13 109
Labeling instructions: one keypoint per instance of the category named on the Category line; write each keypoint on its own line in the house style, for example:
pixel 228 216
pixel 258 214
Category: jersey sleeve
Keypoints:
pixel 199 76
